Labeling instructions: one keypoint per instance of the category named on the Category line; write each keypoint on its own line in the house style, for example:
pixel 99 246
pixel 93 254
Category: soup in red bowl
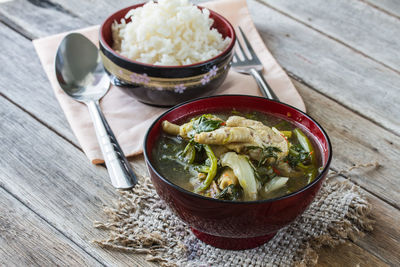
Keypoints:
pixel 247 211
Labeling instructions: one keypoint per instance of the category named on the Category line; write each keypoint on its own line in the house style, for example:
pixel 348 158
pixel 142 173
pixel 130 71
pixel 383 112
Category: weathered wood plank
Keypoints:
pixel 23 81
pixel 299 56
pixel 59 15
pixel 55 180
pixel 95 13
pixel 357 140
pixel 60 212
pixel 85 9
pixel 383 241
pixel 354 23
pixel 324 63
pixel 38 19
pixel 27 240
pixel 354 140
pixel 347 254
pixel 74 190
pixel 30 87
pixel 42 104
pixel 330 67
pixel 45 105
pixel 391 7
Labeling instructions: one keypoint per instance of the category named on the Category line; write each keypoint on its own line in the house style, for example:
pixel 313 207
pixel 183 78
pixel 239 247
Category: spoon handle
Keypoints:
pixel 121 174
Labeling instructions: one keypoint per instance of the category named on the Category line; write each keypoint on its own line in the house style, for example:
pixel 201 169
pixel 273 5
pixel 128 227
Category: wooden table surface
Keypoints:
pixel 343 56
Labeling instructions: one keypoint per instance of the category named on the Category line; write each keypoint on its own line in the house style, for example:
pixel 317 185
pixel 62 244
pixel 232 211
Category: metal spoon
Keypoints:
pixel 81 75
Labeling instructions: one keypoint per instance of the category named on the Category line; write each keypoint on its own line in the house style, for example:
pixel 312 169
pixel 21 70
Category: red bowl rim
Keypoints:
pixel 316 180
pixel 116 54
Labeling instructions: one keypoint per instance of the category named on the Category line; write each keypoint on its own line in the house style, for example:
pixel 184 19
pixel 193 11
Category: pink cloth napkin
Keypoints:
pixel 128 118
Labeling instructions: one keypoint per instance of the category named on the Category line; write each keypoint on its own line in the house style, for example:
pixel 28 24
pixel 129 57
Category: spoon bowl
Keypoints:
pixel 79 69
pixel 81 75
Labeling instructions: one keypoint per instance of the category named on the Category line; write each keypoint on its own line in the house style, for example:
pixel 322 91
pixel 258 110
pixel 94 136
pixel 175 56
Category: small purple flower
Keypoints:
pixel 225 67
pixel 145 79
pixel 134 78
pixel 120 72
pixel 206 79
pixel 179 88
pixel 137 78
pixel 213 71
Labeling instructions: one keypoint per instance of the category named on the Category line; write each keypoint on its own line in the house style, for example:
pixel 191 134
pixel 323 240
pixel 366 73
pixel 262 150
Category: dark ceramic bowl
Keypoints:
pixel 165 85
pixel 228 224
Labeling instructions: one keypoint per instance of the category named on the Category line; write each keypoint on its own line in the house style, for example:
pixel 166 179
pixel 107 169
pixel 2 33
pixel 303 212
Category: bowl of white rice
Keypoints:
pixel 167 52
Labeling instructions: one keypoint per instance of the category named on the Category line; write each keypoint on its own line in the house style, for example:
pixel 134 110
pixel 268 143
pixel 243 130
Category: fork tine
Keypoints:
pixel 248 45
pixel 240 48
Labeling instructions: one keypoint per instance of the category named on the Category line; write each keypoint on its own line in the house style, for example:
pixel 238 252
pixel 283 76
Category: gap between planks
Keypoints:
pixel 300 80
pixel 41 121
pixel 50 224
pixel 89 253
pixel 313 29
pixel 79 148
pixel 303 83
pixel 380 9
pixel 9 24
pixel 263 2
pixel 363 188
pixel 290 74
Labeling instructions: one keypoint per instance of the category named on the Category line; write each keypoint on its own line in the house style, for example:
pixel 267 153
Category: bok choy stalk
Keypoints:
pixel 275 184
pixel 310 171
pixel 305 143
pixel 243 171
pixel 212 170
pixel 189 153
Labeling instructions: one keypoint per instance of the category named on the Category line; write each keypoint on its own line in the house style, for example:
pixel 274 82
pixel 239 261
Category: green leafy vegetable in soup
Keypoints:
pixel 236 157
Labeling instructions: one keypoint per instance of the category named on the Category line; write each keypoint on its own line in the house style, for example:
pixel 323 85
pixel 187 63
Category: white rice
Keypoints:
pixel 169 33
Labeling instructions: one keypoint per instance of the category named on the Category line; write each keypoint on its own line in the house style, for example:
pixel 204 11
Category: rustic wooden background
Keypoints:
pixel 342 55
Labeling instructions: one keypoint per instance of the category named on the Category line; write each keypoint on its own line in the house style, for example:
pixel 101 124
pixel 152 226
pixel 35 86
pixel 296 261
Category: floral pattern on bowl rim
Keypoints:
pixel 178 85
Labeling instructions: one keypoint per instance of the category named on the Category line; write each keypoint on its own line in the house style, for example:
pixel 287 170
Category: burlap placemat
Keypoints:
pixel 142 223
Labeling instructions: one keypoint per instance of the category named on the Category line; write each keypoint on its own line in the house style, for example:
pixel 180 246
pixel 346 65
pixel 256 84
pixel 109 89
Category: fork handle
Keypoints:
pixel 262 83
pixel 121 174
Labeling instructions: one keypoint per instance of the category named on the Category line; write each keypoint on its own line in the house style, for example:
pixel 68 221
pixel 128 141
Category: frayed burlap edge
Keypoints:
pixel 357 220
pixel 124 237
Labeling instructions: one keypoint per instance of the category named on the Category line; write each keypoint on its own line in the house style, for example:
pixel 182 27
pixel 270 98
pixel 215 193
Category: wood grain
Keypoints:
pixel 24 82
pixel 346 74
pixel 47 19
pixel 345 21
pixel 331 68
pixel 27 240
pixel 69 192
pixel 75 190
pixel 57 181
pixel 58 15
pixel 383 241
pixel 356 140
pixel 347 254
pixel 391 7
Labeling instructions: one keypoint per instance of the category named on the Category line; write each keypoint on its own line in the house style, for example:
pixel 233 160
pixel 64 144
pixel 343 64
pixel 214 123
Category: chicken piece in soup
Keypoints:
pixel 236 156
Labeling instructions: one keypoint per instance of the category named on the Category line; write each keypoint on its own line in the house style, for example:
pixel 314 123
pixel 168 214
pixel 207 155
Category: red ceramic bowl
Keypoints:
pixel 165 85
pixel 228 224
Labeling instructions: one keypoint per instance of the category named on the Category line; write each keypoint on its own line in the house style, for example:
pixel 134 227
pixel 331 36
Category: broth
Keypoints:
pixel 249 162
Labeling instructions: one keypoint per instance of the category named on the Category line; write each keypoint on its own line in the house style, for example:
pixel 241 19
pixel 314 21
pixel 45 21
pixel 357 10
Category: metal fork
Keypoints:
pixel 251 65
